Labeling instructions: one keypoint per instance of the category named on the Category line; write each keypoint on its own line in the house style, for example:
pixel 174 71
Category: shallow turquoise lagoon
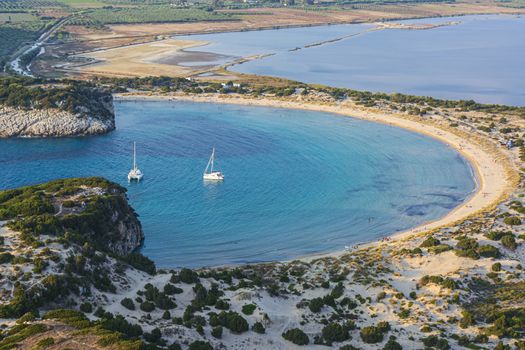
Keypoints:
pixel 296 182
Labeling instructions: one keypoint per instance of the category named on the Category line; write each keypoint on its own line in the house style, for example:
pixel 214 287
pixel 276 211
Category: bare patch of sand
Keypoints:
pixel 141 59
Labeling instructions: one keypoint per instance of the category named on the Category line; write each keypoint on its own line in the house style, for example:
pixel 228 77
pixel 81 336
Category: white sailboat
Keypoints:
pixel 212 175
pixel 135 173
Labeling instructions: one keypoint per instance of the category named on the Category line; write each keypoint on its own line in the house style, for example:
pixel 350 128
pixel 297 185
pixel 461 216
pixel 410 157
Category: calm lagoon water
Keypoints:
pixel 481 58
pixel 296 182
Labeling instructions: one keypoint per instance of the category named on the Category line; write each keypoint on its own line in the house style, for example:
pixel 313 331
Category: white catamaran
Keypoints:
pixel 135 173
pixel 212 175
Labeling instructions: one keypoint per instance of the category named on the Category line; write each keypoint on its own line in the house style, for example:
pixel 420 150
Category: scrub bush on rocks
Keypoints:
pixel 258 327
pixel 296 336
pixel 334 332
pixel 374 334
pixel 200 345
pixel 128 303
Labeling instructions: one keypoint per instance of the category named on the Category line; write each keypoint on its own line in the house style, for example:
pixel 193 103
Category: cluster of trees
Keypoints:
pixel 469 247
pixel 68 95
pixel 24 300
pixel 419 104
pixel 149 14
pixel 374 334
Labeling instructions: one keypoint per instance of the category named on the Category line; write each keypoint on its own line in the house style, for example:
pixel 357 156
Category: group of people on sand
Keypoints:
pixel 386 239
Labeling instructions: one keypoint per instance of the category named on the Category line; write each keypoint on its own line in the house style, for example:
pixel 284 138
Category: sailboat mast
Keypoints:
pixel 212 159
pixel 135 155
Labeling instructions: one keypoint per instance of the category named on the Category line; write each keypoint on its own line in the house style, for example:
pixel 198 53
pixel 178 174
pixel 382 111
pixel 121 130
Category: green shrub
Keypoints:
pixel 6 258
pixel 258 327
pixel 147 306
pixel 489 251
pixel 248 309
pixel 216 332
pixel 315 305
pixel 296 336
pixel 371 334
pixel 433 341
pixel 45 343
pixel 383 326
pixel 170 289
pixel 338 290
pixel 140 262
pixel 200 345
pixel 128 303
pixel 154 336
pixel 224 305
pixel 27 317
pixel 439 248
pixel 509 242
pixel 334 332
pixel 188 276
pixel 512 221
pixel 236 323
pixel 86 307
pixel 430 242
pixel 348 347
pixel 496 267
pixel 467 320
pixel 121 325
pixel 392 344
pixel 231 320
pixel 497 235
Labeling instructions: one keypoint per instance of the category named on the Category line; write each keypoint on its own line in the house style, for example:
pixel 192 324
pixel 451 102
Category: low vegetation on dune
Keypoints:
pixel 70 234
pixel 410 104
pixel 76 97
pixel 149 14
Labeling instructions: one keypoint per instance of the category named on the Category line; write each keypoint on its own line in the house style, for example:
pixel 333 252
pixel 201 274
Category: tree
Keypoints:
pixel 316 305
pixel 371 334
pixel 296 336
pixel 334 332
pixel 509 242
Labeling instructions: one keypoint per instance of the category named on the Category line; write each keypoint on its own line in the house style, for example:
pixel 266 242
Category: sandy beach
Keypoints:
pixel 495 175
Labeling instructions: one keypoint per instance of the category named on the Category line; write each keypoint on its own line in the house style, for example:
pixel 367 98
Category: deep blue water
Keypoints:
pixel 480 59
pixel 296 182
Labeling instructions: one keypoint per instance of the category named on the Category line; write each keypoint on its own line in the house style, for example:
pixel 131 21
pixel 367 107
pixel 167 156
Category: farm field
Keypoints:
pixel 149 14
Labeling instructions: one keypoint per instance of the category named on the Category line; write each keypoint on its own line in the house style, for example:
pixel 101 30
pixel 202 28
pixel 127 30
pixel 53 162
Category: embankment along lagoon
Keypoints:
pixel 297 182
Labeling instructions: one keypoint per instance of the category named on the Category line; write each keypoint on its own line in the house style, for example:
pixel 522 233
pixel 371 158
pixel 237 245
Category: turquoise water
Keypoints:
pixel 481 58
pixel 296 182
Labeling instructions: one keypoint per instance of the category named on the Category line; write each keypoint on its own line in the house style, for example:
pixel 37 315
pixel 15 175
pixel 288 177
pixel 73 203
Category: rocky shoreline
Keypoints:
pixel 17 122
pixel 36 108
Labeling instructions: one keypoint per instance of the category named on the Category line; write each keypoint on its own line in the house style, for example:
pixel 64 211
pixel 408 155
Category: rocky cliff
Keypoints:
pixel 54 110
pixel 90 211
pixel 16 122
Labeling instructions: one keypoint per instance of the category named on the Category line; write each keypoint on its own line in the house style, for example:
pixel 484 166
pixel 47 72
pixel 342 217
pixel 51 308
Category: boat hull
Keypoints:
pixel 215 176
